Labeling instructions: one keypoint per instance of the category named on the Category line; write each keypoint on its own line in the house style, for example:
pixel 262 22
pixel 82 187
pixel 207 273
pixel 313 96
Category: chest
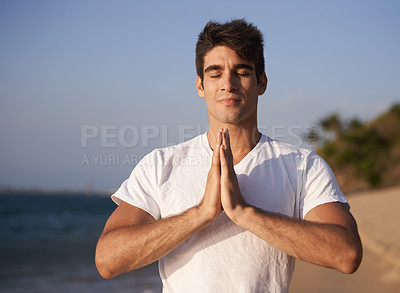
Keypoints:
pixel 270 187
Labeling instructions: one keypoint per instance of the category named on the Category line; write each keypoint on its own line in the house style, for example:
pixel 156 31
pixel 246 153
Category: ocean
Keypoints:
pixel 47 244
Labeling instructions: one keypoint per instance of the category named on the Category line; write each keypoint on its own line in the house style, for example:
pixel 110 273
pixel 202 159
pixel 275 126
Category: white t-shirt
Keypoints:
pixel 224 257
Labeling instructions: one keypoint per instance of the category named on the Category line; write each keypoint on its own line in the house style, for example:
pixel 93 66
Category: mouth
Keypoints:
pixel 230 101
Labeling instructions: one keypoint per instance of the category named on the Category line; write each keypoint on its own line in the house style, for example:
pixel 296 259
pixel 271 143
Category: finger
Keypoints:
pixel 223 156
pixel 225 139
pixel 216 161
pixel 223 147
pixel 229 148
pixel 216 152
pixel 224 163
pixel 228 140
pixel 219 137
pixel 227 145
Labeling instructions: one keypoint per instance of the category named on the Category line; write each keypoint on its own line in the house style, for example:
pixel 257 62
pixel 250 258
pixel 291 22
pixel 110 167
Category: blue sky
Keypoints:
pixel 88 87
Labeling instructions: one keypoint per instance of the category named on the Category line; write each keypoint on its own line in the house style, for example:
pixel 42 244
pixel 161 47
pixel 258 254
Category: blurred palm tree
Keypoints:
pixel 370 149
pixel 332 123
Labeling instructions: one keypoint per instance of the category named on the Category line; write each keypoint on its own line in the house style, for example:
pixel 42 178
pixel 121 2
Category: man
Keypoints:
pixel 229 210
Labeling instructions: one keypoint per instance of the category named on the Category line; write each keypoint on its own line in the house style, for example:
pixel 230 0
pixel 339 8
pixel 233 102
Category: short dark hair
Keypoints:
pixel 242 37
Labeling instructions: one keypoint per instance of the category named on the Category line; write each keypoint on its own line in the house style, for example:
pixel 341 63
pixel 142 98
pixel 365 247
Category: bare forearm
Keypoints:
pixel 329 245
pixel 131 247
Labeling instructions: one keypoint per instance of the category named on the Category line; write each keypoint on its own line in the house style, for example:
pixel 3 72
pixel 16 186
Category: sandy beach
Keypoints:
pixel 378 221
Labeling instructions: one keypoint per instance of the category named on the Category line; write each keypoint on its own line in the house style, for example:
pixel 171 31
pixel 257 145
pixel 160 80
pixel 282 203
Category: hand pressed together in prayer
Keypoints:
pixel 222 191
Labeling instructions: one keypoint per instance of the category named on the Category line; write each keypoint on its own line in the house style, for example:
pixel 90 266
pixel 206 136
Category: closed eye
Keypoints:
pixel 244 70
pixel 244 74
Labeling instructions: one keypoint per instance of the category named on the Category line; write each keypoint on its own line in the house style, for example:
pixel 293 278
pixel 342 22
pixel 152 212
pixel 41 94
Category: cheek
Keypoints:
pixel 209 86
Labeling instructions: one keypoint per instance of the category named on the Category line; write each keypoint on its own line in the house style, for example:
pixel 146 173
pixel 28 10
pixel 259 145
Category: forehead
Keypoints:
pixel 223 56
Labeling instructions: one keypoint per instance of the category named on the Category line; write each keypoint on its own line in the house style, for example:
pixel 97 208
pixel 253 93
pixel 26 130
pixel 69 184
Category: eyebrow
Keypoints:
pixel 237 66
pixel 213 67
pixel 245 66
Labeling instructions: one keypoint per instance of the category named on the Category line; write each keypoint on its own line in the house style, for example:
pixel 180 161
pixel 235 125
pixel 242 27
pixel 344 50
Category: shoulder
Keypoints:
pixel 304 159
pixel 162 163
pixel 170 154
pixel 279 149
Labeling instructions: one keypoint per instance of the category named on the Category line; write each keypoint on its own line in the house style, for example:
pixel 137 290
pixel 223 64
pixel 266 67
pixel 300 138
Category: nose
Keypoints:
pixel 229 82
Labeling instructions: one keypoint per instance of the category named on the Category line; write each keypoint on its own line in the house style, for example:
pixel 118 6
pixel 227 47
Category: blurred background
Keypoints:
pixel 89 87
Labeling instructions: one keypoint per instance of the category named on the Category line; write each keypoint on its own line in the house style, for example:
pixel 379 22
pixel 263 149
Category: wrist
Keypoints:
pixel 240 214
pixel 205 214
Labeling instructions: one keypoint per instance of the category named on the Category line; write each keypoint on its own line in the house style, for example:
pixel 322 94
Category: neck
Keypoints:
pixel 243 139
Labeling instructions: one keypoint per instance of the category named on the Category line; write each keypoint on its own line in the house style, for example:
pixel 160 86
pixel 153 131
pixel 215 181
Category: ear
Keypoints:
pixel 262 84
pixel 199 87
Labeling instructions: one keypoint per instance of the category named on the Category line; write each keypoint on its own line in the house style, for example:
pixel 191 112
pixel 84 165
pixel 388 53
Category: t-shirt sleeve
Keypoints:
pixel 140 189
pixel 319 185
